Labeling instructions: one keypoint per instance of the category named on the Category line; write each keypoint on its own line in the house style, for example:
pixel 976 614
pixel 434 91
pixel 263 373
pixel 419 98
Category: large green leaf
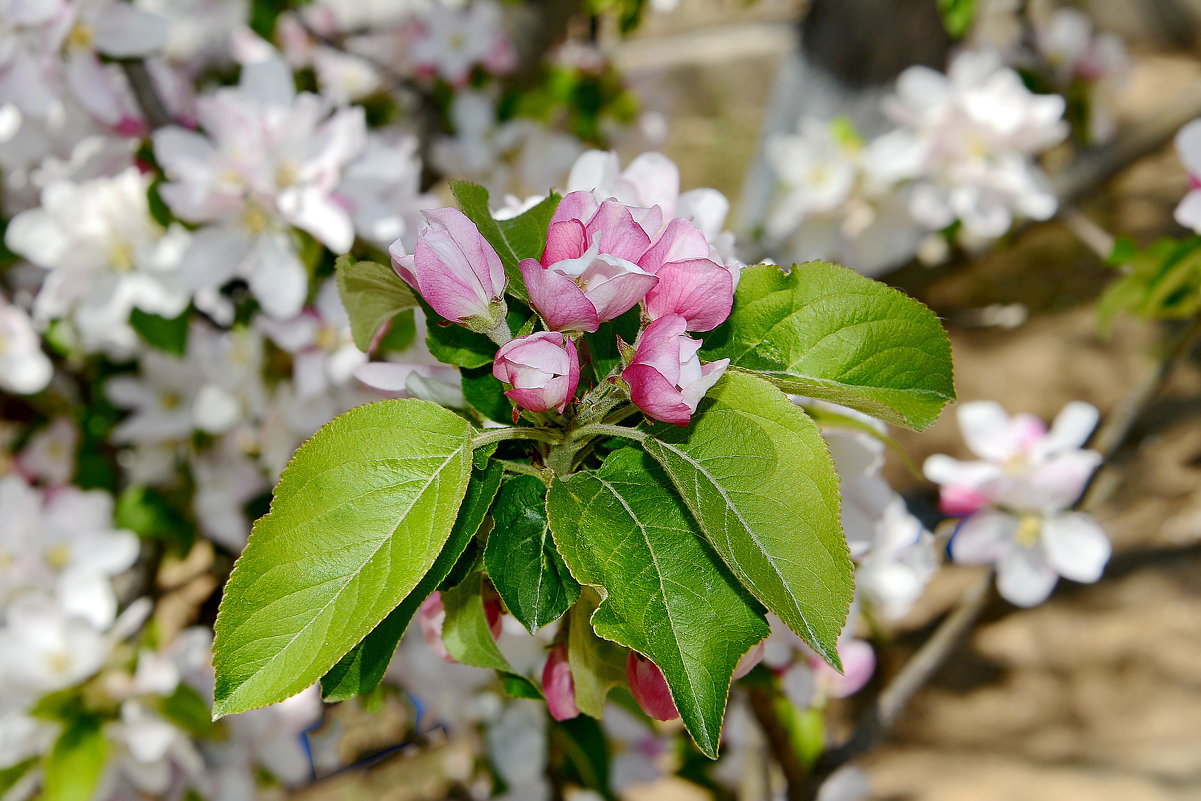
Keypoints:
pixel 827 332
pixel 757 475
pixel 360 670
pixel 521 237
pixel 468 637
pixel 358 518
pixel 666 594
pixel 521 559
pixel 372 294
pixel 75 763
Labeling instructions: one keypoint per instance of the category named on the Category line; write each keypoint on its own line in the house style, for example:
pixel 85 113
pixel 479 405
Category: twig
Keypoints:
pixel 151 105
pixel 778 740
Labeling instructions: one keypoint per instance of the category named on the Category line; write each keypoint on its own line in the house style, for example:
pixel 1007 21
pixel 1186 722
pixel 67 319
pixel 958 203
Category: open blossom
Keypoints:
pixel 24 368
pixel 666 379
pixel 324 355
pixel 1018 499
pixel 978 128
pixel 450 41
pixel 543 370
pixel 105 255
pixel 1188 146
pixel 269 159
pixel 455 269
pixel 1083 61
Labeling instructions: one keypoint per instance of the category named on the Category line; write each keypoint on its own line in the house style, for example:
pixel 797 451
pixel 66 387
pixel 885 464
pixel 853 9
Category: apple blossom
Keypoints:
pixel 558 686
pixel 666 380
pixel 105 255
pixel 542 369
pixel 649 688
pixel 50 454
pixel 24 368
pixel 455 269
pixel 1018 499
pixel 1188 146
pixel 453 40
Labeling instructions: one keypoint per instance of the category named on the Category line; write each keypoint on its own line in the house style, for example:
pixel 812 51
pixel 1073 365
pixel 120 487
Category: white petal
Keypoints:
pixel 942 469
pixel 1024 578
pixel 1071 428
pixel 276 276
pixel 985 427
pixel 983 538
pixel 1188 213
pixel 124 31
pixel 1076 547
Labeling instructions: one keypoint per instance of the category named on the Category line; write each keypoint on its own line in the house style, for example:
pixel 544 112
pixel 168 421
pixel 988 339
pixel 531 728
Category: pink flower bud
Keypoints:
pixel 665 378
pixel 588 273
pixel 649 688
pixel 960 501
pixel 749 660
pixel 543 370
pixel 558 686
pixel 455 269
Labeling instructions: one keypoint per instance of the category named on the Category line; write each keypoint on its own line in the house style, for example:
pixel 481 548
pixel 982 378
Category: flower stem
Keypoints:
pixel 501 434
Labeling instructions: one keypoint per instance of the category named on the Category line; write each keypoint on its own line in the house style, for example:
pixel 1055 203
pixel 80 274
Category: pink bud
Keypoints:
pixel 960 501
pixel 699 290
pixel 431 616
pixel 455 269
pixel 749 660
pixel 858 664
pixel 543 370
pixel 666 379
pixel 649 688
pixel 558 686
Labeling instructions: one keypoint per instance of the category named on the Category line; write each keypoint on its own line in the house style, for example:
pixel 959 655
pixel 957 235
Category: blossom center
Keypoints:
pixel 80 37
pixel 58 556
pixel 1029 529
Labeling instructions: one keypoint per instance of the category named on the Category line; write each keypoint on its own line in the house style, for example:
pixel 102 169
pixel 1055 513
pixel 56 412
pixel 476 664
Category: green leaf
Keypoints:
pixel 454 344
pixel 666 594
pixel 758 477
pixel 75 763
pixel 358 518
pixel 486 394
pixel 13 773
pixel 361 670
pixel 168 334
pixel 957 16
pixel 372 294
pixel 468 638
pixel 826 332
pixel 597 665
pixel 188 710
pixel 521 559
pixel 522 237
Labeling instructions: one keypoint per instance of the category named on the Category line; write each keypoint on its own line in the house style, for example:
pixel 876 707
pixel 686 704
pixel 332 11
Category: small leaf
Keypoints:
pixel 597 665
pixel 361 670
pixel 358 518
pixel 14 773
pixel 666 594
pixel 521 559
pixel 168 334
pixel 469 639
pixel 758 477
pixel 188 710
pixel 522 237
pixel 73 768
pixel 372 294
pixel 826 332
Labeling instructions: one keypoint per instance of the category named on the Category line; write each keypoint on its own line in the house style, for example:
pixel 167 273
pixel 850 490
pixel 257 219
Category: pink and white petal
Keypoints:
pixel 575 206
pixel 215 255
pixel 858 662
pixel 125 31
pixel 699 290
pixel 559 300
pixel 986 430
pixel 942 469
pixel 1188 146
pixel 620 235
pixel 1188 213
pixel 564 240
pixel 710 373
pixel 276 276
pixel 1076 547
pixel 983 538
pixel 657 180
pixel 655 395
pixel 1055 485
pixel 659 346
pixel 1071 429
pixel 1024 578
pixel 384 376
pixel 680 241
pixel 313 210
pixel 616 295
pixel 706 208
pixel 592 169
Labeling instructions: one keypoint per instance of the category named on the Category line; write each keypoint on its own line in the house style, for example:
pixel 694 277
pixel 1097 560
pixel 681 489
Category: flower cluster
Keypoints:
pixel 1017 500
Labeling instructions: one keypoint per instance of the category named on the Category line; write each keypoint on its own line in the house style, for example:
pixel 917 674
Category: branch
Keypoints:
pixel 153 109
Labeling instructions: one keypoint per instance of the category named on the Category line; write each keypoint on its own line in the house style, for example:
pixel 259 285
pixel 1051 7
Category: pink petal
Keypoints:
pixel 615 295
pixel 698 290
pixel 649 688
pixel 558 299
pixel 655 395
pixel 681 241
pixel 620 235
pixel 564 240
pixel 575 206
pixel 558 686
